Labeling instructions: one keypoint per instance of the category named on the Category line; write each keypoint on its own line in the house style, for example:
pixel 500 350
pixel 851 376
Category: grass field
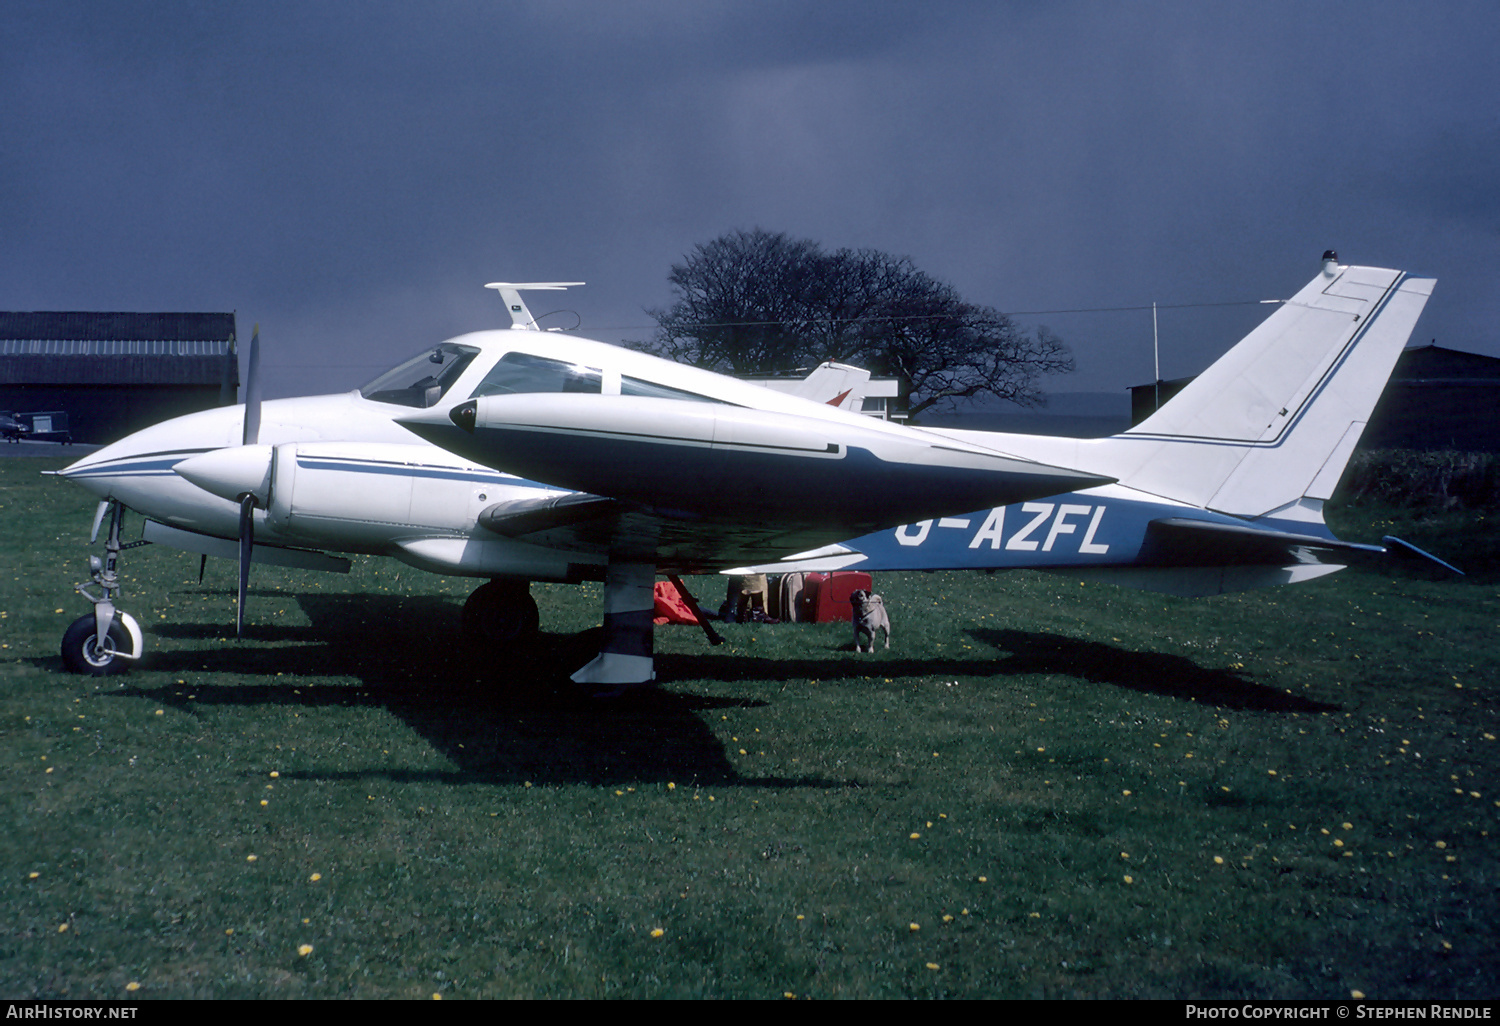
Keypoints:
pixel 1041 790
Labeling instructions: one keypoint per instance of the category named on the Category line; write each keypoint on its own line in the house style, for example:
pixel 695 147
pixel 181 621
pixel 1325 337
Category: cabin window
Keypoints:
pixel 650 389
pixel 515 373
pixel 422 380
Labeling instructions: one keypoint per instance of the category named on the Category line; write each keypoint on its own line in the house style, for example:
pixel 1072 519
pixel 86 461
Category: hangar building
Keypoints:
pixel 114 373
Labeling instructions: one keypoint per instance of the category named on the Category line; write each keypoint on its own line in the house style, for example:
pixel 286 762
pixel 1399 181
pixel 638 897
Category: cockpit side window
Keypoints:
pixel 521 372
pixel 422 380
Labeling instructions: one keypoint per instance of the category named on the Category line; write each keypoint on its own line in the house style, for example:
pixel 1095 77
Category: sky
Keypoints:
pixel 349 175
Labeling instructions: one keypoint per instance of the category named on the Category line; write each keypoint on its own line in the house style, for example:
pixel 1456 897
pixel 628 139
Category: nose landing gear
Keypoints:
pixel 107 641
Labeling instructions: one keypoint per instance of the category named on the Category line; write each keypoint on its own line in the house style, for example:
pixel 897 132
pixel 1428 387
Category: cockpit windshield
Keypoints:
pixel 422 380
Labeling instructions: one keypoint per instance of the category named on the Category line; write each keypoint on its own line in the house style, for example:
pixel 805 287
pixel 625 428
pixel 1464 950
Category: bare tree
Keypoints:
pixel 758 302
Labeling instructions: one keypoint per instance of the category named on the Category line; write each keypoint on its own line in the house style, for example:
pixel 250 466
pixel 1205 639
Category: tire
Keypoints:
pixel 80 653
pixel 500 614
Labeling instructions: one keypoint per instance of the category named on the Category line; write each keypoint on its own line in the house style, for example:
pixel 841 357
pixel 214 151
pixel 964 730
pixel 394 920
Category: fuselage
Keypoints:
pixel 344 475
pixel 726 473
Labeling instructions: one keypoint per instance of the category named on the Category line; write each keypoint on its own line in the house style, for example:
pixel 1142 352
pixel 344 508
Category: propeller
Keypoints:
pixel 247 501
pixel 247 543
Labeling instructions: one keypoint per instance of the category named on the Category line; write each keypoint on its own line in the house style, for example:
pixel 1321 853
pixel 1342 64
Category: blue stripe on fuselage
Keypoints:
pixel 361 466
pixel 1072 530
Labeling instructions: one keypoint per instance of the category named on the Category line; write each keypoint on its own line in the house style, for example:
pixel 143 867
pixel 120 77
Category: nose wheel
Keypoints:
pixel 83 654
pixel 107 641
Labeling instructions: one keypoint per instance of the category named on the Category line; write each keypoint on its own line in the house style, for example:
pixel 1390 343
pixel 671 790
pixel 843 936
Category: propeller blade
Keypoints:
pixel 252 392
pixel 247 543
pixel 229 376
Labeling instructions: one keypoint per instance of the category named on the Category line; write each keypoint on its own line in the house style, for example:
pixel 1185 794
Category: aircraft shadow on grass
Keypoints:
pixel 512 719
pixel 518 717
pixel 1171 676
pixel 1157 673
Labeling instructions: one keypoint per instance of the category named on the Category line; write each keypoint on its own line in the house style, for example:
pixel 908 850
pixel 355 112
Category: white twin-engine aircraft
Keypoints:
pixel 521 455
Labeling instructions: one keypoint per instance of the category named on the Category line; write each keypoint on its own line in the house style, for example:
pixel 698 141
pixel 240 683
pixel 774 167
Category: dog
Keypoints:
pixel 869 617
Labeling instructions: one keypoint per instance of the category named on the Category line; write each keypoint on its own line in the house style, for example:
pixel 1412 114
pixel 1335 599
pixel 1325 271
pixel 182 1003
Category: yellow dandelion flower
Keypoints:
pixel 304 950
pixel 249 858
pixel 33 876
pixel 274 774
pixel 62 927
pixel 132 986
pixel 436 996
pixel 1347 826
pixel 657 932
pixel 1130 879
pixel 984 879
pixel 316 877
pixel 915 836
pixel 1218 860
pixel 933 966
pixel 913 927
pixel 1357 995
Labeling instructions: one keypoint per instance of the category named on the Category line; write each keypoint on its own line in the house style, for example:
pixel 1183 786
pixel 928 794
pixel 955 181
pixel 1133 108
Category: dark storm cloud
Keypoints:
pixel 350 174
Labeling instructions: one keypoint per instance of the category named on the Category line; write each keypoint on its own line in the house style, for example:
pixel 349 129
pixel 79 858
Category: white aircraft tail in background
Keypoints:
pixel 833 384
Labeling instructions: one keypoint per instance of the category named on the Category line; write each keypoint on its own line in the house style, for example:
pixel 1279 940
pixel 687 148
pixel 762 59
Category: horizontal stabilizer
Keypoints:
pixel 1181 541
pixel 1406 551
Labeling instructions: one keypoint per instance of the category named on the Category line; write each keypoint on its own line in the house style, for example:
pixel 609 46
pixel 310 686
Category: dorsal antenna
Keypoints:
pixel 510 292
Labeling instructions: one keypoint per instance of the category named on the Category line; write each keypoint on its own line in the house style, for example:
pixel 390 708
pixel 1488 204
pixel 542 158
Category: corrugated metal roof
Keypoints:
pixel 63 348
pixel 113 370
pixel 112 347
pixel 117 327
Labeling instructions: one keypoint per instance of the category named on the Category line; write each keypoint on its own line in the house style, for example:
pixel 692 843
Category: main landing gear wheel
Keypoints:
pixel 499 614
pixel 82 653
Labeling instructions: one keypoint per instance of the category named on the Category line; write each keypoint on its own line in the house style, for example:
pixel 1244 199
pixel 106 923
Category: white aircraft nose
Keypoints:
pixel 232 472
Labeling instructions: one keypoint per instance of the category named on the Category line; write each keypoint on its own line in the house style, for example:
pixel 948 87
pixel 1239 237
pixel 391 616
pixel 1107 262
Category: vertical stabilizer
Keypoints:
pixel 1275 420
